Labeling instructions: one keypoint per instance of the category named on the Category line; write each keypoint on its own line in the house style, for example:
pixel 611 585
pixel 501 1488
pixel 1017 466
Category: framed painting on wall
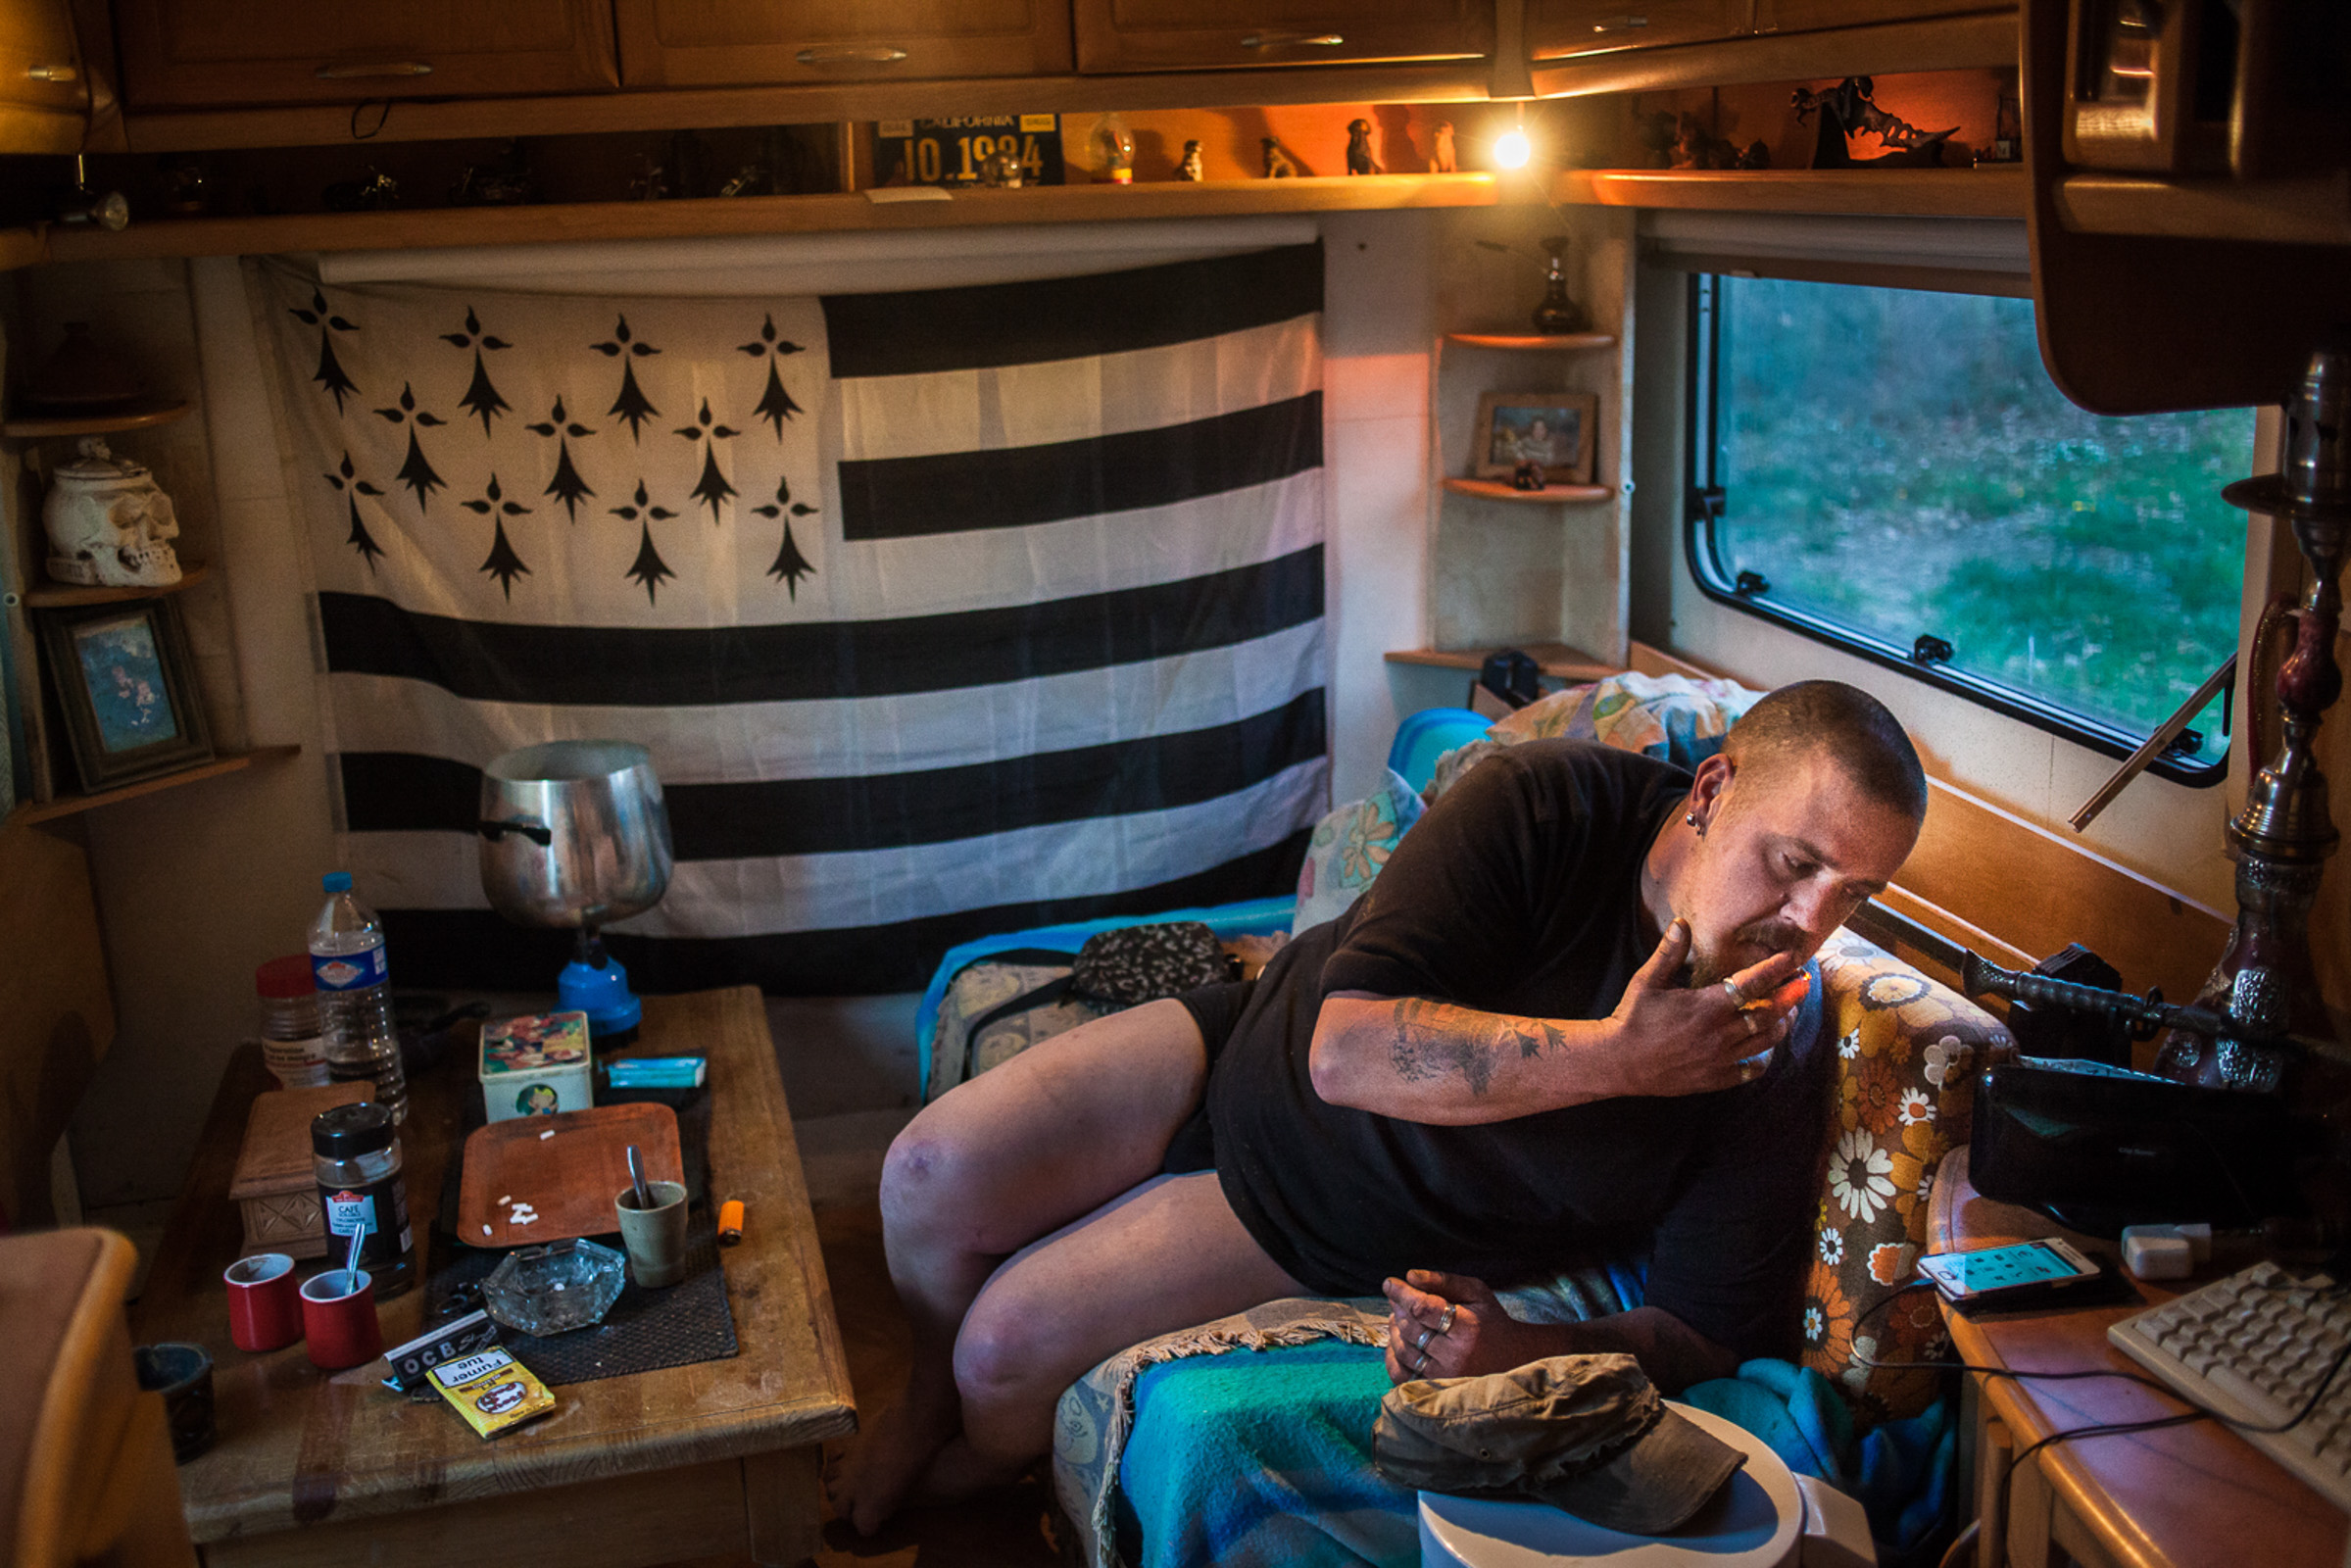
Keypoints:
pixel 1556 429
pixel 127 689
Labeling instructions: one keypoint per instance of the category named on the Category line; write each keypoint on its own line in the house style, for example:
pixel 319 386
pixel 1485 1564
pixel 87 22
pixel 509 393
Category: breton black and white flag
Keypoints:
pixel 942 612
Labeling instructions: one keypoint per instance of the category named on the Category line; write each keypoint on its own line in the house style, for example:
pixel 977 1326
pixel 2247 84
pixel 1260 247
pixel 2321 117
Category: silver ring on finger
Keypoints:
pixel 1422 1365
pixel 1422 1344
pixel 1754 1026
pixel 1447 1325
pixel 1731 990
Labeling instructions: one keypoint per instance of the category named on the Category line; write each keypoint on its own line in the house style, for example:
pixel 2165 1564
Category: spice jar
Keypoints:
pixel 355 1155
pixel 290 1041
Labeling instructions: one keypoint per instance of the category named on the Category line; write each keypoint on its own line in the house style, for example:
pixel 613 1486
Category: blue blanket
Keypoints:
pixel 1262 1460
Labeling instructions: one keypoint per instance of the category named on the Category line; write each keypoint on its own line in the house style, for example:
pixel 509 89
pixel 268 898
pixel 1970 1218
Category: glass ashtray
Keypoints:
pixel 554 1288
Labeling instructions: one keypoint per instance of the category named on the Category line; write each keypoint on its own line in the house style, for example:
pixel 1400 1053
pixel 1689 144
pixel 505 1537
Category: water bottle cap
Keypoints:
pixel 289 976
pixel 338 881
pixel 342 1131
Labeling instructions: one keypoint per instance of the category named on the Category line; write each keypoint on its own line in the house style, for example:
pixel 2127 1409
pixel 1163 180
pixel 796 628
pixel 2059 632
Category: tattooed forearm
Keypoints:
pixel 1431 1040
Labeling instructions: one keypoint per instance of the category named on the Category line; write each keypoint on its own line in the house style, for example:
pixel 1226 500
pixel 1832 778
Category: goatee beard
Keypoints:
pixel 1706 970
pixel 1710 967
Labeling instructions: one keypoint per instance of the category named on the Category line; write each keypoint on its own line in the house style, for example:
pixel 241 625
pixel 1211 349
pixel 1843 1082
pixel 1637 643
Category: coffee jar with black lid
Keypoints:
pixel 355 1155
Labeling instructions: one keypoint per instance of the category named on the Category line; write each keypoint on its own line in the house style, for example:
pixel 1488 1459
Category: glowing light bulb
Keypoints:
pixel 1512 150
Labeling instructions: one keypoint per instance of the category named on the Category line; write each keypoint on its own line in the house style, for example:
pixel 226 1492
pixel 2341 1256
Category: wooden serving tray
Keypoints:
pixel 570 1177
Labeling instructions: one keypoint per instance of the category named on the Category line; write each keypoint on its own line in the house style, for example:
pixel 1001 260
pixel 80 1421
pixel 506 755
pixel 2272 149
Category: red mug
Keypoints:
pixel 338 1319
pixel 265 1302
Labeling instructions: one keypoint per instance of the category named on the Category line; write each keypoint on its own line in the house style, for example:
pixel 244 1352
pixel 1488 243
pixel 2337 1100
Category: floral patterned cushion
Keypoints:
pixel 1348 848
pixel 1908 1051
pixel 1670 717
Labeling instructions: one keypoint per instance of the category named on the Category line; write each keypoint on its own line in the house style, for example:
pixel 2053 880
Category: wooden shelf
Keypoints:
pixel 25 428
pixel 1996 192
pixel 775 214
pixel 1945 192
pixel 1954 192
pixel 61 596
pixel 1549 495
pixel 1556 660
pixel 1557 342
pixel 74 804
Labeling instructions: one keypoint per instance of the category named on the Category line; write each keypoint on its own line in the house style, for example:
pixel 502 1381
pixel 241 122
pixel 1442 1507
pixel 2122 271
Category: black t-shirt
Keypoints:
pixel 1520 892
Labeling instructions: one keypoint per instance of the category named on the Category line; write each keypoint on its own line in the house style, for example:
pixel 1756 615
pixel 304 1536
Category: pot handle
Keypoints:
pixel 538 833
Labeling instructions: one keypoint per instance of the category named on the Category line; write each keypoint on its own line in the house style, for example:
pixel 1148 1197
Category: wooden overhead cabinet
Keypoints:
pixel 1220 34
pixel 1810 16
pixel 706 43
pixel 44 92
pixel 179 54
pixel 1559 30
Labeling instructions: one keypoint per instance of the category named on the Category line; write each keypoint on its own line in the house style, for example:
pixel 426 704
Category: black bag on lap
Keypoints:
pixel 1137 963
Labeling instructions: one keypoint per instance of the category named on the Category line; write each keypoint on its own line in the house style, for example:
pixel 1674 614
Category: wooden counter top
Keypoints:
pixel 2184 1497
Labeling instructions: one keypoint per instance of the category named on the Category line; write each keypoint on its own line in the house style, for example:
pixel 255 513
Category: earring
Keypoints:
pixel 1692 820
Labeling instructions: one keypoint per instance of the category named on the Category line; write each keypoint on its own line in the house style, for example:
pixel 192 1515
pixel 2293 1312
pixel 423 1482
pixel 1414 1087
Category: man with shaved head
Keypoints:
pixel 1571 1020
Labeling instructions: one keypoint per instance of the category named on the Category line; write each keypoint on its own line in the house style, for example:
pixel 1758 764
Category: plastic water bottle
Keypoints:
pixel 355 996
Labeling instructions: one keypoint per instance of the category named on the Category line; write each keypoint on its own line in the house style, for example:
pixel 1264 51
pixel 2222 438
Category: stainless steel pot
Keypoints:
pixel 573 834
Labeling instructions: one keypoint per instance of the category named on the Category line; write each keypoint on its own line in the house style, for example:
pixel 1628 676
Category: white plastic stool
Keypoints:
pixel 1754 1523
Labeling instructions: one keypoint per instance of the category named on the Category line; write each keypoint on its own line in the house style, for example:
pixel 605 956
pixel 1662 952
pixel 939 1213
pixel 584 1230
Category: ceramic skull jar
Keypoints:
pixel 109 525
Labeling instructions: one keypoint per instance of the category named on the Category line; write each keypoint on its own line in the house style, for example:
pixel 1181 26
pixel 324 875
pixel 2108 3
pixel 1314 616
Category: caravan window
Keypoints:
pixel 1892 471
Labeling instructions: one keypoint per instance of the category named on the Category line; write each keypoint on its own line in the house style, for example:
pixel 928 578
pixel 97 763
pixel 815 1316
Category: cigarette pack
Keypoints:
pixel 492 1391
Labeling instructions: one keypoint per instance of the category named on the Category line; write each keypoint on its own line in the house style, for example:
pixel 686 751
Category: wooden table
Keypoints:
pixel 2180 1497
pixel 716 1458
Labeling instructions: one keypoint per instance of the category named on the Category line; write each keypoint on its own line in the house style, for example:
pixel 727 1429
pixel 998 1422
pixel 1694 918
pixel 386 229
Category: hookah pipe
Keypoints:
pixel 2143 1016
pixel 2265 982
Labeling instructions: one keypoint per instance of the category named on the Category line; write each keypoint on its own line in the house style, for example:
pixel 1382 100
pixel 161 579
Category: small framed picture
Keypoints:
pixel 1556 429
pixel 127 688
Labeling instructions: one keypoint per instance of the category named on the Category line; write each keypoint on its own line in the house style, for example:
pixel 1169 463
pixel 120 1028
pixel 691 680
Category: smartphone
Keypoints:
pixel 1994 1271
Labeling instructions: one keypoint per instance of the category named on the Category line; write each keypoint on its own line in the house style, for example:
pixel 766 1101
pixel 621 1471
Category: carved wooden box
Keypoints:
pixel 273 1187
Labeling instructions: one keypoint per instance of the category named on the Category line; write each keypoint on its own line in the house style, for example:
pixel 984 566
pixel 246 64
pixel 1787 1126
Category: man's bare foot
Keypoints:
pixel 955 1473
pixel 885 1461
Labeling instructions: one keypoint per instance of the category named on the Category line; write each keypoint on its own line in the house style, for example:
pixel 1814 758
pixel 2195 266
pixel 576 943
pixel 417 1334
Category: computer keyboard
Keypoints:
pixel 2254 1346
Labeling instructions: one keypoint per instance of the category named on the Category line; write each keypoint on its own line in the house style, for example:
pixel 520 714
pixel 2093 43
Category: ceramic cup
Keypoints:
pixel 655 1237
pixel 338 1318
pixel 184 1375
pixel 265 1302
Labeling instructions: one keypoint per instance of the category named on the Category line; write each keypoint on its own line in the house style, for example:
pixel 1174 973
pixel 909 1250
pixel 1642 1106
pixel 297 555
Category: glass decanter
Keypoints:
pixel 1557 313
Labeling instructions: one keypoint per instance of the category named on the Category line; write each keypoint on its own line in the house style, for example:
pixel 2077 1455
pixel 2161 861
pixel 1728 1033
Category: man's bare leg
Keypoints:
pixel 1165 1256
pixel 1012 1155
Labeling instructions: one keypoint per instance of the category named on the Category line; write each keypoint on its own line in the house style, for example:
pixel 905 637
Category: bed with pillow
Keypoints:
pixel 1247 1441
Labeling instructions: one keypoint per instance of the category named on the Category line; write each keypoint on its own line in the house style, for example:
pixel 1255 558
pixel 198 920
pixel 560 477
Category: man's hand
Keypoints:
pixel 1452 1326
pixel 1666 1039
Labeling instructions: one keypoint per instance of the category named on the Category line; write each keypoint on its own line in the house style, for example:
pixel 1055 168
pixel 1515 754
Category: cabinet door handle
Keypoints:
pixel 1619 24
pixel 52 73
pixel 374 68
pixel 1292 40
pixel 851 55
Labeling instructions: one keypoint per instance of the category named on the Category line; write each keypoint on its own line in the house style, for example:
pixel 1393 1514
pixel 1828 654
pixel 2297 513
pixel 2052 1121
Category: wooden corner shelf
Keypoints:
pixel 1556 342
pixel 74 804
pixel 1551 494
pixel 1556 660
pixel 44 426
pixel 62 596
